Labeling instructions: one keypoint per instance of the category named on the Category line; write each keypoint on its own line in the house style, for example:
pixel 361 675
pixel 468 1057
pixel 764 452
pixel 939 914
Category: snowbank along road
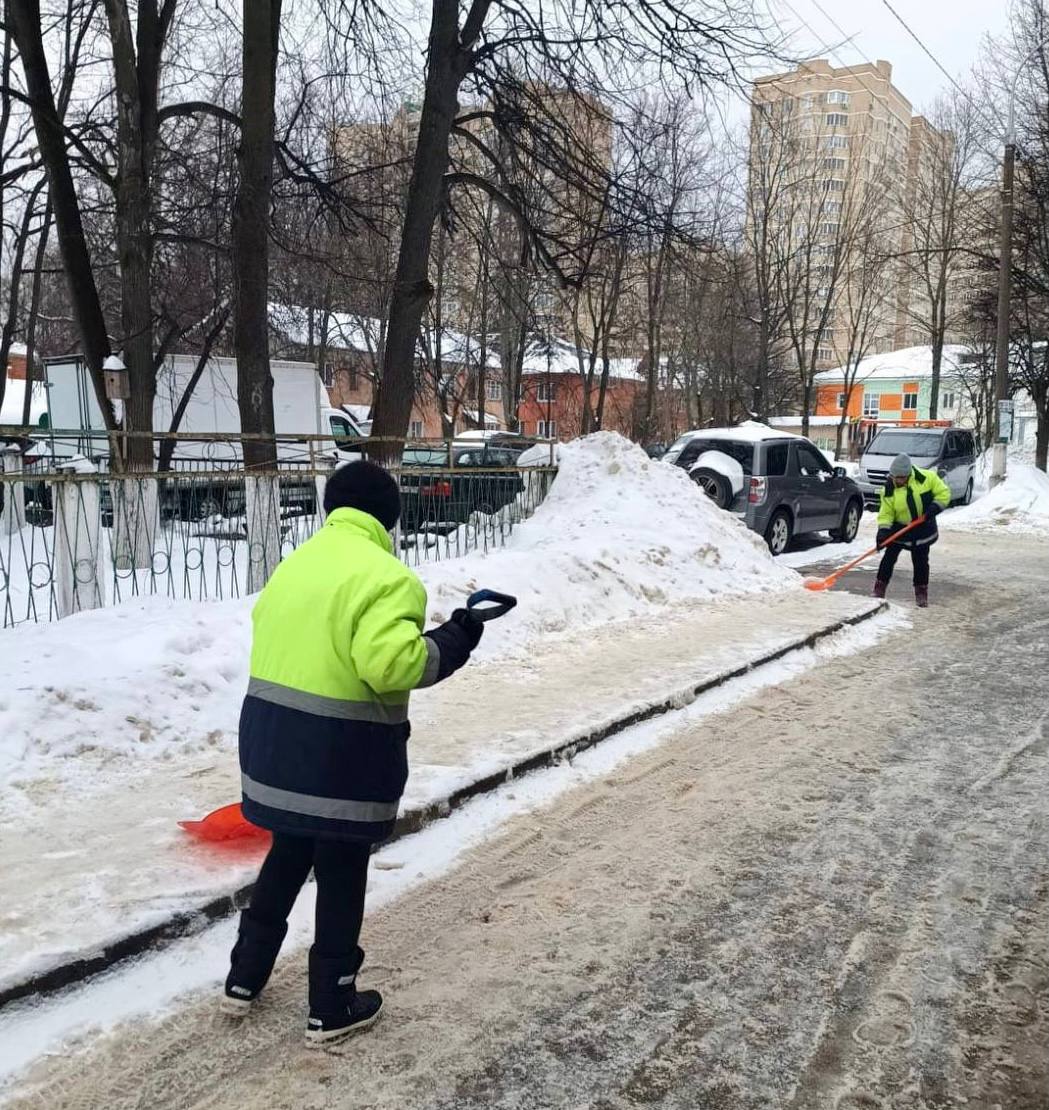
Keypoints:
pixel 836 895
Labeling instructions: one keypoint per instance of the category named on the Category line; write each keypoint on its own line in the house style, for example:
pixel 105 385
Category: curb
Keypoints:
pixel 190 922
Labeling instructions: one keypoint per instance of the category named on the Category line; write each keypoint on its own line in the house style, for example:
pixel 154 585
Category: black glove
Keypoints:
pixel 455 640
pixel 885 534
pixel 933 510
pixel 470 625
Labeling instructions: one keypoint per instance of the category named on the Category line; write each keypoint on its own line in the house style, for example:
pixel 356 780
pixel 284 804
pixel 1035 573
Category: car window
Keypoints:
pixel 469 458
pixel 918 445
pixel 343 431
pixel 776 457
pixel 811 463
pixel 425 456
pixel 742 452
pixel 690 452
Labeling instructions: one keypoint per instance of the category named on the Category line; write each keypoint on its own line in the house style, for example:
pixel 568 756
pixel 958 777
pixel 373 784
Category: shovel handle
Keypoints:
pixel 488 605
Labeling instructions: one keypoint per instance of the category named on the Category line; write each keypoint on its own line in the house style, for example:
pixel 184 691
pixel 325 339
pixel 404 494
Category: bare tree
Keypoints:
pixel 504 50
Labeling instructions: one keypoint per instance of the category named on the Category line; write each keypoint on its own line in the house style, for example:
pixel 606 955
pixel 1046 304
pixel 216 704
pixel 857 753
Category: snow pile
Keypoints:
pixel 619 537
pixel 1020 504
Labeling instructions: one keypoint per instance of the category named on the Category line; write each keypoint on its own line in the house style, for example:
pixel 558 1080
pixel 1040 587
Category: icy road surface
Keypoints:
pixel 837 895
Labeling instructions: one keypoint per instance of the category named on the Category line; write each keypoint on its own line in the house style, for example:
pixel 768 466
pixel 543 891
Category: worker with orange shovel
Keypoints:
pixel 337 645
pixel 908 506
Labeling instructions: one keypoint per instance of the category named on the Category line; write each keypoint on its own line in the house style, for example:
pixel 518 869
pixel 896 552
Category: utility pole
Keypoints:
pixel 1003 412
pixel 1005 273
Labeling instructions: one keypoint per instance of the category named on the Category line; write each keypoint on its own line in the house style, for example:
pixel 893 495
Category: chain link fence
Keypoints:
pixel 74 536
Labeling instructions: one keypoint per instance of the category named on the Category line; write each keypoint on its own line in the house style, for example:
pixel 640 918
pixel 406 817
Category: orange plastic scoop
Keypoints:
pixel 227 823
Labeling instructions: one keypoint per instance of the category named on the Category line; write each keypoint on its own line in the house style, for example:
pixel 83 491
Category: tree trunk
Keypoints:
pixel 34 312
pixel 7 332
pixel 937 363
pixel 412 289
pixel 25 22
pixel 251 224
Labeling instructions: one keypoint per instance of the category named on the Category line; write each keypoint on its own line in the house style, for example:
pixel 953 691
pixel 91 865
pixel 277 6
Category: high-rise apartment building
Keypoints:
pixel 835 153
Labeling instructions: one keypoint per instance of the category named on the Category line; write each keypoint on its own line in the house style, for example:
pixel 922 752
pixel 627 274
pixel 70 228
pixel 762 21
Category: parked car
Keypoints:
pixel 780 485
pixel 951 452
pixel 441 489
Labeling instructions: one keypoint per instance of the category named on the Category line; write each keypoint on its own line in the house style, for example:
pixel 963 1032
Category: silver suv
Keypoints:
pixel 780 485
pixel 951 452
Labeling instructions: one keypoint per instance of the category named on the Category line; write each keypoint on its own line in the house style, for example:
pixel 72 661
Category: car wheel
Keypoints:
pixel 968 498
pixel 850 524
pixel 716 486
pixel 779 532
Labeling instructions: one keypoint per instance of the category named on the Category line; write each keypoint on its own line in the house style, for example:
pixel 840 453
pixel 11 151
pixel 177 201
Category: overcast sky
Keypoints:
pixel 953 30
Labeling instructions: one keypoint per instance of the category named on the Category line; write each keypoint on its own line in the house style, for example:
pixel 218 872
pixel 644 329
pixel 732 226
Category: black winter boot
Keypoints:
pixel 337 1008
pixel 880 586
pixel 251 962
pixel 921 596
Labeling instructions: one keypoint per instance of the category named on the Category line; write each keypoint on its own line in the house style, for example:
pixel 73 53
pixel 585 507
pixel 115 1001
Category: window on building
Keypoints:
pixel 824 354
pixel 547 391
pixel 546 430
pixel 828 227
pixel 838 96
pixel 948 402
pixel 910 402
pixel 415 429
pixel 328 375
pixel 836 142
pixel 354 379
pixel 841 401
pixel 871 406
pixel 832 207
pixel 837 119
pixel 834 163
pixel 835 185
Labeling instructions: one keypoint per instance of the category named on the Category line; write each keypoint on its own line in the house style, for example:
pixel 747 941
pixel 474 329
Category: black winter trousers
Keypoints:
pixel 919 557
pixel 341 870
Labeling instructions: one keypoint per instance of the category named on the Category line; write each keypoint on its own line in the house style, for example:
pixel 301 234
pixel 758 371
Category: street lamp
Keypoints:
pixel 1003 414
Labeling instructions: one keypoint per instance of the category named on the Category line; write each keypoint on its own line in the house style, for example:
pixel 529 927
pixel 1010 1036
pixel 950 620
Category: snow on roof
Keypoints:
pixel 362 334
pixel 750 431
pixel 348 332
pixel 908 362
pixel 795 421
pixel 489 419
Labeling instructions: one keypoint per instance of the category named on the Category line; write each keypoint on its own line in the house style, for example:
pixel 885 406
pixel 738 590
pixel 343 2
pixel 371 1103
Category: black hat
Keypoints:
pixel 366 487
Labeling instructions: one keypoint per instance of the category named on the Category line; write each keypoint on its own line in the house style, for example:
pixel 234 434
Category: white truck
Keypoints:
pixel 301 407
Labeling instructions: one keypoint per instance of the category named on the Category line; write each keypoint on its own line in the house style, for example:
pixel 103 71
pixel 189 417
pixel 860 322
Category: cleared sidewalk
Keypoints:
pixel 110 873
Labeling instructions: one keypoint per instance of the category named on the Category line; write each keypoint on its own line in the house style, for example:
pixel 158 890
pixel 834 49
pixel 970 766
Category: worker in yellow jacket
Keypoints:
pixel 337 646
pixel 909 493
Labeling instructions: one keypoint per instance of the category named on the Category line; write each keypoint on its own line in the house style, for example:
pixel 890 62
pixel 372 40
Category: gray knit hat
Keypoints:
pixel 901 466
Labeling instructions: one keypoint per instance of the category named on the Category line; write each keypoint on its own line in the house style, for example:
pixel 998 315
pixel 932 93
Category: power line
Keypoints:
pixel 935 61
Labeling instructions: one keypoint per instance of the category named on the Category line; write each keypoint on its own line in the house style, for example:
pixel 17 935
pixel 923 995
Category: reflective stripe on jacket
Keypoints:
pixel 337 646
pixel 898 507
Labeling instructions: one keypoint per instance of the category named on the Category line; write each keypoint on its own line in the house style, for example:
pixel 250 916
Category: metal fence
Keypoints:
pixel 72 541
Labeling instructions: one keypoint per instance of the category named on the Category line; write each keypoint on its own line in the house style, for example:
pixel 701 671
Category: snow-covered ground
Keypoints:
pixel 153 984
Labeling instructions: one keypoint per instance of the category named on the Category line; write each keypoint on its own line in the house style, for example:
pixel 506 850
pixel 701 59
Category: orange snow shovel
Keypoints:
pixel 227 823
pixel 832 579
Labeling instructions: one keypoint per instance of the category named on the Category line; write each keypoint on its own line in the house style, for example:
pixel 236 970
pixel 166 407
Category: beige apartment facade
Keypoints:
pixel 859 146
